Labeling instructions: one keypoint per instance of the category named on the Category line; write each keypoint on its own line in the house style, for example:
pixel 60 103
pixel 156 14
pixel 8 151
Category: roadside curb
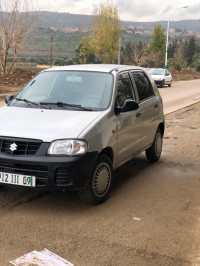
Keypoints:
pixel 181 107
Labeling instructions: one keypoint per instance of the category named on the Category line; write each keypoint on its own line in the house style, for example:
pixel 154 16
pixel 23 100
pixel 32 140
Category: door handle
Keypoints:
pixel 138 115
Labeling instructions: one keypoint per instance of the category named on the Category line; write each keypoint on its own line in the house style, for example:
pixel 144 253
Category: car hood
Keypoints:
pixel 43 124
pixel 157 76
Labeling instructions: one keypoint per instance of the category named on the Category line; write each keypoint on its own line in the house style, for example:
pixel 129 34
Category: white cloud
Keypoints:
pixel 132 10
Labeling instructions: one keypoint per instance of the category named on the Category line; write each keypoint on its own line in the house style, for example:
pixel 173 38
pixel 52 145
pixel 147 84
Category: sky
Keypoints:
pixel 130 10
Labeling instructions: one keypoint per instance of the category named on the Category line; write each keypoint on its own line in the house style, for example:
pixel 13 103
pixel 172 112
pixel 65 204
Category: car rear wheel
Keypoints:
pixel 154 152
pixel 100 183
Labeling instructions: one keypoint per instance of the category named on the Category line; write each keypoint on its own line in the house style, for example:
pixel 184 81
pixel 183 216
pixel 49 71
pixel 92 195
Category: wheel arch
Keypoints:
pixel 108 151
pixel 162 128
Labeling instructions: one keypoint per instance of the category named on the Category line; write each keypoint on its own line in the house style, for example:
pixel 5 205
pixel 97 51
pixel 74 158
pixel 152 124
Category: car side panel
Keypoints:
pixel 129 130
pixel 150 120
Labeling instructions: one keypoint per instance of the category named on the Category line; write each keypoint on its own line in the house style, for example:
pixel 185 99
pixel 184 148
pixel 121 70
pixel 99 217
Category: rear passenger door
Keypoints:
pixel 129 125
pixel 148 103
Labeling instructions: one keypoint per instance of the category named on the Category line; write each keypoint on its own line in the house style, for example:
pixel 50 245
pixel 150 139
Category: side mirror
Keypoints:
pixel 129 105
pixel 9 98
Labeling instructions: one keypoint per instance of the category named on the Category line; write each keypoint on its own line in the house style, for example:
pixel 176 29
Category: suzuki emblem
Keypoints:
pixel 13 147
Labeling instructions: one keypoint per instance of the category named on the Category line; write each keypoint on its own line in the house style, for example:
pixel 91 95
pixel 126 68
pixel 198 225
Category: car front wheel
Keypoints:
pixel 162 84
pixel 154 152
pixel 100 183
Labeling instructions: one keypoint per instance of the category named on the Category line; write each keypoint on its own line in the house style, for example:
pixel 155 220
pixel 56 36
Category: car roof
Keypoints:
pixel 107 68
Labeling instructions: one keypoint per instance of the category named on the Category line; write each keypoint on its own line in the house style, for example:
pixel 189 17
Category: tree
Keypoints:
pixel 15 22
pixel 157 44
pixel 172 48
pixel 84 52
pixel 133 53
pixel 196 61
pixel 63 61
pixel 179 52
pixel 190 49
pixel 176 64
pixel 179 59
pixel 105 32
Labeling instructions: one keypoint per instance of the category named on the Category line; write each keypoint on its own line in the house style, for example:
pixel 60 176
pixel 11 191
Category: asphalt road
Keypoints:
pixel 151 218
pixel 181 94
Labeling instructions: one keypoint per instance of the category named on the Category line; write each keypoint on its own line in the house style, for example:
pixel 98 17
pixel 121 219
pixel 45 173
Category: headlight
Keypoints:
pixel 67 147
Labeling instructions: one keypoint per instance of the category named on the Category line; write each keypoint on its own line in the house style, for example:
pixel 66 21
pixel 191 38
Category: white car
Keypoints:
pixel 161 76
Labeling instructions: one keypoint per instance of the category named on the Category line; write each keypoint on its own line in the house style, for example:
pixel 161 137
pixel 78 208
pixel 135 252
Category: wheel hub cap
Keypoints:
pixel 158 145
pixel 101 180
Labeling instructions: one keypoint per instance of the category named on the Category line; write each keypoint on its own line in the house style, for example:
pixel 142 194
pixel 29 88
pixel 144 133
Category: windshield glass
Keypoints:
pixel 74 88
pixel 157 72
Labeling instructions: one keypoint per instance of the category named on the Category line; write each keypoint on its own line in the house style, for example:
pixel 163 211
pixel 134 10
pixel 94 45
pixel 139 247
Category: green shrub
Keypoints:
pixel 178 65
pixel 196 61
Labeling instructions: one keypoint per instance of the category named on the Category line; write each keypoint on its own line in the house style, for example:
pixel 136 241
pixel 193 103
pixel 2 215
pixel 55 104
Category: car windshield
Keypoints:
pixel 77 90
pixel 156 71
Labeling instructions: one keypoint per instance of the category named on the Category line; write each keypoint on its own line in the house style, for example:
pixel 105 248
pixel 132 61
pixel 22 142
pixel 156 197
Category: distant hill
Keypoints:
pixel 48 19
pixel 71 27
pixel 188 25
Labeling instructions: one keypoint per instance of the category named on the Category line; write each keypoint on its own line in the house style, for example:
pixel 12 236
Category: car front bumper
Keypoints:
pixel 52 172
pixel 158 82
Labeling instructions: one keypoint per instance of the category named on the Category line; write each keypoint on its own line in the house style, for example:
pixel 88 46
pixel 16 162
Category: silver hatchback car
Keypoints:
pixel 70 127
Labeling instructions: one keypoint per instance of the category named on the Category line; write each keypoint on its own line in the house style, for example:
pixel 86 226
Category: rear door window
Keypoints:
pixel 143 85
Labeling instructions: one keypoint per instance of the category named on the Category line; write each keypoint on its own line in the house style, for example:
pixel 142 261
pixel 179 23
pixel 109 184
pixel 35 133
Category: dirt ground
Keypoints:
pixel 152 217
pixel 184 74
pixel 18 77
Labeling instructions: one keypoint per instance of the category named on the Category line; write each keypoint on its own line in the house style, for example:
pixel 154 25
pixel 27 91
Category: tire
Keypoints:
pixel 170 84
pixel 100 183
pixel 154 152
pixel 162 84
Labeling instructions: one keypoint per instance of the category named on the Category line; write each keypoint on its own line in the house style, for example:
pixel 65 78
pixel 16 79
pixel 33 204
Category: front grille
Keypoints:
pixel 65 176
pixel 40 171
pixel 16 147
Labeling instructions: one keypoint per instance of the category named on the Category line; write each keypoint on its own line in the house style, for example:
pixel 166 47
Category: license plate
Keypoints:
pixel 19 180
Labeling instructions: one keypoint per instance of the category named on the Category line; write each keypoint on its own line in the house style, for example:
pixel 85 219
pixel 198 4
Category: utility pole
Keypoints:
pixel 166 51
pixel 51 48
pixel 167 39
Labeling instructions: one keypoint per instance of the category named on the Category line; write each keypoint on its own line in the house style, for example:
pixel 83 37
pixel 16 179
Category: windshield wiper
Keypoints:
pixel 61 104
pixel 30 102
